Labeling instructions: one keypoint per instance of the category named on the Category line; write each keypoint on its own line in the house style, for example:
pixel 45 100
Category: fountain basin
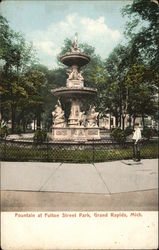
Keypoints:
pixel 72 92
pixel 75 58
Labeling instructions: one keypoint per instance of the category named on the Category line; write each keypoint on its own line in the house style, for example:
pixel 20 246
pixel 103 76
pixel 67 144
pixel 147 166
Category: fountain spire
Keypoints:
pixel 75 46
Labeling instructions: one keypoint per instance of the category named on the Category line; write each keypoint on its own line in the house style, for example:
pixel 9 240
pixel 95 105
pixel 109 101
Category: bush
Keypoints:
pixel 18 130
pixel 118 135
pixel 147 132
pixel 4 131
pixel 40 136
pixel 128 131
pixel 155 132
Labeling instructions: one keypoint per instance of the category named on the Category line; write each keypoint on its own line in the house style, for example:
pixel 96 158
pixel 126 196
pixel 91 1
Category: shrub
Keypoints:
pixel 40 136
pixel 155 132
pixel 118 135
pixel 4 131
pixel 147 132
pixel 18 130
pixel 128 131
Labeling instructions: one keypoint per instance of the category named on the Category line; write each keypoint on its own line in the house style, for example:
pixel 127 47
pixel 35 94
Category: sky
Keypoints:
pixel 48 23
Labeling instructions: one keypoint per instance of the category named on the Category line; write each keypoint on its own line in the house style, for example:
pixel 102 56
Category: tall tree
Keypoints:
pixel 141 93
pixel 142 32
pixel 18 56
pixel 117 65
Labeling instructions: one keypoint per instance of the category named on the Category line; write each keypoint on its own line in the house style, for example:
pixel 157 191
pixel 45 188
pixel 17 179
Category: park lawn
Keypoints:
pixel 63 154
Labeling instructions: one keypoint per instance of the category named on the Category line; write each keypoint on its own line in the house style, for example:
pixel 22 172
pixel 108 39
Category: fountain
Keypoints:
pixel 80 126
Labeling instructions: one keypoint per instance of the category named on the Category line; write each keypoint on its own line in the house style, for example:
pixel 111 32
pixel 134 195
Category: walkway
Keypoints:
pixel 118 185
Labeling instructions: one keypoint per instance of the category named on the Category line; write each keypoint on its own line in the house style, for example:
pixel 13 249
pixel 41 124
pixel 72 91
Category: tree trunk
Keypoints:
pixel 38 120
pixel 24 125
pixel 143 121
pixel 120 105
pixel 123 121
pixel 134 118
pixel 130 120
pixel 120 121
pixel 110 121
pixel 34 124
pixel 13 110
pixel 116 120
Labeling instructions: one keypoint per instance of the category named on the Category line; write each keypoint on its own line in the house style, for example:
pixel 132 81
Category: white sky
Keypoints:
pixel 48 23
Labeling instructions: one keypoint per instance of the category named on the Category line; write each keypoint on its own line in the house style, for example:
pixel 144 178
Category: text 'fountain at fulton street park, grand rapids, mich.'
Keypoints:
pixel 81 126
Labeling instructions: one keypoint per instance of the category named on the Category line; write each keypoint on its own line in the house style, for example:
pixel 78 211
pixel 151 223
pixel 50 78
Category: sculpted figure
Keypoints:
pixel 73 74
pixel 58 116
pixel 75 47
pixel 69 73
pixel 82 118
pixel 76 40
pixel 80 77
pixel 92 117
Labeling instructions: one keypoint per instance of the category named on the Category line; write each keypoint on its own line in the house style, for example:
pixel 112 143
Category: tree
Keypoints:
pixel 142 32
pixel 18 56
pixel 116 66
pixel 35 84
pixel 141 93
pixel 132 70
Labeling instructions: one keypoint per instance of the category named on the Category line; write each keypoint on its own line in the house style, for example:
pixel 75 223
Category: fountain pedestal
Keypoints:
pixel 75 114
pixel 75 134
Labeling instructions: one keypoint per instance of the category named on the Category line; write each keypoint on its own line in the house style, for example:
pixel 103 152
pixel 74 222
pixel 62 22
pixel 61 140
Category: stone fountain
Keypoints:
pixel 80 126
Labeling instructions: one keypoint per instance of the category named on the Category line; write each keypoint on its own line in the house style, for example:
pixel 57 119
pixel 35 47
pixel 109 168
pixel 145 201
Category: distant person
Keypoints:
pixel 136 145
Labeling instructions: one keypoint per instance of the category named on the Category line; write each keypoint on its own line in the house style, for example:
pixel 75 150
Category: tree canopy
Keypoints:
pixel 127 81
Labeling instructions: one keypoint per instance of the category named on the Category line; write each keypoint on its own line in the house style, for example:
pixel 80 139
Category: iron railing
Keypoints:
pixel 94 151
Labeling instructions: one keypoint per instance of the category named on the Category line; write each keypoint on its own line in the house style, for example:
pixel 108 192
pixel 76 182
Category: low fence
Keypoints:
pixel 106 150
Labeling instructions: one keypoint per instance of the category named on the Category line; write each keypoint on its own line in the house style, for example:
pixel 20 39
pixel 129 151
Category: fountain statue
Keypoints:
pixel 75 47
pixel 80 126
pixel 92 117
pixel 58 116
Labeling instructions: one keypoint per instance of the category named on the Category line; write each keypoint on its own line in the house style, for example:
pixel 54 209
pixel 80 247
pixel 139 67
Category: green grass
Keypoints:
pixel 63 154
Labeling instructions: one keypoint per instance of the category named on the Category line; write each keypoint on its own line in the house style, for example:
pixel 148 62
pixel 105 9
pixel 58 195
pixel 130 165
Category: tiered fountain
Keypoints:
pixel 80 126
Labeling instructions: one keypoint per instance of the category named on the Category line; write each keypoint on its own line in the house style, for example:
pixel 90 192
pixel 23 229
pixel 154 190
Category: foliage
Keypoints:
pixel 155 132
pixel 126 81
pixel 114 93
pixel 147 133
pixel 18 129
pixel 141 93
pixel 118 135
pixel 40 136
pixel 132 69
pixel 4 131
pixel 128 131
pixel 18 56
pixel 142 33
